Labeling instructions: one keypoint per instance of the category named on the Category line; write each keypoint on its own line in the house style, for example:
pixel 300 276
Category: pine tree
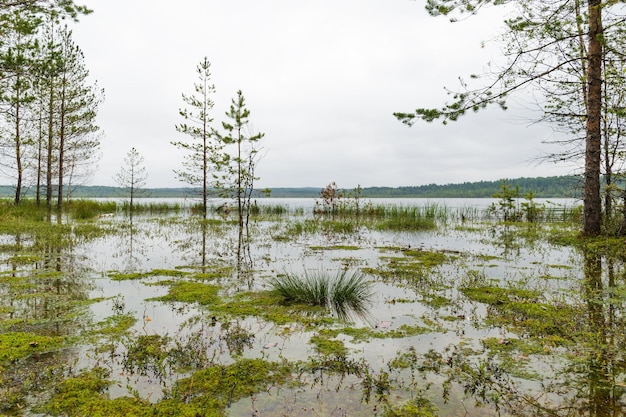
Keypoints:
pixel 545 40
pixel 132 175
pixel 243 161
pixel 203 154
pixel 78 103
pixel 16 93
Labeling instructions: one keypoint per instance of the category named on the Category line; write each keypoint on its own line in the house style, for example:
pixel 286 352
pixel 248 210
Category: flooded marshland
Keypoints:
pixel 163 313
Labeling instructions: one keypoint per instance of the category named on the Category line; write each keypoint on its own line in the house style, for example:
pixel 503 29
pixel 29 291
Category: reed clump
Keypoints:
pixel 411 218
pixel 152 207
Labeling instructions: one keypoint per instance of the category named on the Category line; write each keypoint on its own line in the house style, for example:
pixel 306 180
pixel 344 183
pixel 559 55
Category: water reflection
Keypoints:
pixel 507 325
pixel 44 290
pixel 130 246
pixel 245 266
pixel 605 365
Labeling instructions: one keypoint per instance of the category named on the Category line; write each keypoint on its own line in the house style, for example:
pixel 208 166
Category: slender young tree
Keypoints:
pixel 538 33
pixel 132 175
pixel 78 103
pixel 16 92
pixel 244 158
pixel 202 151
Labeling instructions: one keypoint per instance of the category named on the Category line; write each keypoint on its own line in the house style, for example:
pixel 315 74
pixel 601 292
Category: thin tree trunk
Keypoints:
pixel 18 150
pixel 239 168
pixel 39 155
pixel 62 117
pixel 50 144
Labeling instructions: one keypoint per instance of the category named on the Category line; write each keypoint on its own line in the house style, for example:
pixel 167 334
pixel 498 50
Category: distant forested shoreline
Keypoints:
pixel 541 187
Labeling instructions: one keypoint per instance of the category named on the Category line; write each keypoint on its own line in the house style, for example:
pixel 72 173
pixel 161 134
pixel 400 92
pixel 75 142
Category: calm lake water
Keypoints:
pixel 310 202
pixel 474 316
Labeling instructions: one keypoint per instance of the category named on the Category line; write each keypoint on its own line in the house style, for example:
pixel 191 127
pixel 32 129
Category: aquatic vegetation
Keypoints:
pixel 217 387
pixel 485 325
pixel 414 268
pixel 311 226
pixel 335 247
pixel 345 293
pixel 271 306
pixel 85 394
pixel 15 346
pixel 417 407
pixel 147 355
pixel 143 207
pixel 82 209
pixel 237 338
pixel 523 311
pixel 190 292
pixel 114 326
pixel 119 276
pixel 327 346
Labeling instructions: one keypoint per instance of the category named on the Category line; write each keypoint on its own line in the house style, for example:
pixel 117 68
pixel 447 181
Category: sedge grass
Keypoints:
pixel 346 293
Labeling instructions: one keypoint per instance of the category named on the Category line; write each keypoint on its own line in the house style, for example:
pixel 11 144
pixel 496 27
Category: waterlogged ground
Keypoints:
pixel 164 314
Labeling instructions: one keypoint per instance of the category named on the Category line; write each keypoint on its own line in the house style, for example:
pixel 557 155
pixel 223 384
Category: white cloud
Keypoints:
pixel 321 78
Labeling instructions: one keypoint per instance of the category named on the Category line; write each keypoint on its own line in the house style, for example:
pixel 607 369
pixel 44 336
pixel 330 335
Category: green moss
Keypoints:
pixel 413 268
pixel 19 345
pixel 427 258
pixel 147 354
pixel 436 301
pixel 366 333
pixel 191 292
pixel 497 295
pixel 324 345
pixel 561 266
pixel 23 259
pixel 118 276
pixel 335 247
pixel 214 273
pixel 270 306
pixel 218 386
pixel 522 311
pixel 115 325
pixel 85 395
pixel 403 331
pixel 417 407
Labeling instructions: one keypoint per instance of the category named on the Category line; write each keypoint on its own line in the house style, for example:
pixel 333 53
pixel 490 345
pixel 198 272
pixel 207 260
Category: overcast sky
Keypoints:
pixel 322 79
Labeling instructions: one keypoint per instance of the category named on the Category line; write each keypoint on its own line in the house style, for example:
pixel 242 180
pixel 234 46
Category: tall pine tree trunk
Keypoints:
pixel 592 203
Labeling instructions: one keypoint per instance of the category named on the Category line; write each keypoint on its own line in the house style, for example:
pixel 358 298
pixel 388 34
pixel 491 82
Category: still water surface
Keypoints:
pixel 477 332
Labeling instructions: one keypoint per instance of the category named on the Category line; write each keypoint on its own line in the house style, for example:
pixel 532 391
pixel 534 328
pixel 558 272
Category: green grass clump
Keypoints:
pixel 345 293
pixel 397 218
pixel 152 207
pixel 89 209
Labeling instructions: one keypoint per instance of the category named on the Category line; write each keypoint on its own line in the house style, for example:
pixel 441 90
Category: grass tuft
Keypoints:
pixel 346 293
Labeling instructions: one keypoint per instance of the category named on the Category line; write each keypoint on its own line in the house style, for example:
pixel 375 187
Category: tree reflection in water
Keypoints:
pixel 44 291
pixel 605 361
